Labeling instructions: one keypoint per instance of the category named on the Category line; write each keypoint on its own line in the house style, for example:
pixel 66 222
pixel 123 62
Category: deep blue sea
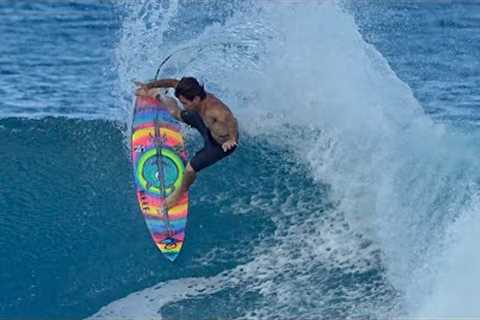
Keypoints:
pixel 354 193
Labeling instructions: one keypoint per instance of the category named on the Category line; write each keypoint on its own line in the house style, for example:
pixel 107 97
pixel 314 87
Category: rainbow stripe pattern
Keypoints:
pixel 159 158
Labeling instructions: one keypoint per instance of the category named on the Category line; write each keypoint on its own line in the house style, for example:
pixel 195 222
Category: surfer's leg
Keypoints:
pixel 188 178
pixel 204 158
pixel 209 155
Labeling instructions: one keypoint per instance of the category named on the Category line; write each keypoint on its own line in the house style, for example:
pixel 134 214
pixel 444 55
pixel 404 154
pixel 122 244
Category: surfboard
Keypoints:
pixel 159 158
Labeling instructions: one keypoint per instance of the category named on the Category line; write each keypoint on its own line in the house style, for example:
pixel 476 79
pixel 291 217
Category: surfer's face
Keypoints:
pixel 189 104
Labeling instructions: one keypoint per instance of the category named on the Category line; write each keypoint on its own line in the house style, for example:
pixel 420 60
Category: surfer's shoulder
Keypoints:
pixel 215 104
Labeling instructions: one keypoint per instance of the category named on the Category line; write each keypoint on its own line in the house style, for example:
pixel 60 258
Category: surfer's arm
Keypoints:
pixel 232 131
pixel 232 127
pixel 162 83
pixel 226 119
pixel 229 123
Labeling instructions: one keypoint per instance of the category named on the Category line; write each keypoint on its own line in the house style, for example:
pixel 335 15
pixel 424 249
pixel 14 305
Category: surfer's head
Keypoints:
pixel 190 92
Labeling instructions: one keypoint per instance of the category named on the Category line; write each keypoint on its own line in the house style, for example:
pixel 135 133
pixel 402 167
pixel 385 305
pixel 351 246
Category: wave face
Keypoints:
pixel 345 199
pixel 57 59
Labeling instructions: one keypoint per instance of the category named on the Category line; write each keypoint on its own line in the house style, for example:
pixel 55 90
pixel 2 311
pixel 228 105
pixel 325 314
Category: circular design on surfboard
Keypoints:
pixel 148 174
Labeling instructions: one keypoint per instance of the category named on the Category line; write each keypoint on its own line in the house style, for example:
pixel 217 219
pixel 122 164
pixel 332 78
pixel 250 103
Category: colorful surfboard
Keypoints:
pixel 159 158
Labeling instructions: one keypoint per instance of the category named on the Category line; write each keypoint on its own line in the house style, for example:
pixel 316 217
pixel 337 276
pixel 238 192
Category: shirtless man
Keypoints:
pixel 206 113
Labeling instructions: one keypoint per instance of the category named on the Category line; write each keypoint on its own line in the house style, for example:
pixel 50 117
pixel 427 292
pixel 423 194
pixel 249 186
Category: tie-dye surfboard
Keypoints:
pixel 159 158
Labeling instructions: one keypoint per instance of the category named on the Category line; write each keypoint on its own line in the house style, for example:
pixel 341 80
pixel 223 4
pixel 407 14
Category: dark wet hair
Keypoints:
pixel 189 88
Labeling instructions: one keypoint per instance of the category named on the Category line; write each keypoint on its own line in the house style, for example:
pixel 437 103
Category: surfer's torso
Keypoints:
pixel 210 110
pixel 212 150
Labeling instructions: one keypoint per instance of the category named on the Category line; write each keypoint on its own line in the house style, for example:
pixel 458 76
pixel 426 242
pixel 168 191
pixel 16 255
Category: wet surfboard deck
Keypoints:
pixel 159 158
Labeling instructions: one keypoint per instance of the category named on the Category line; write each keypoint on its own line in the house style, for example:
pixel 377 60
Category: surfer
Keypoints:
pixel 203 111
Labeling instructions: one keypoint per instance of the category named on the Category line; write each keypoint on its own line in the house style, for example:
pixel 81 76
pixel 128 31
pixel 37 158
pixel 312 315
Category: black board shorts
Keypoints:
pixel 211 151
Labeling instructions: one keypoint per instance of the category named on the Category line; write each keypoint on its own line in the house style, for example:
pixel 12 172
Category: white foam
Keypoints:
pixel 455 271
pixel 147 303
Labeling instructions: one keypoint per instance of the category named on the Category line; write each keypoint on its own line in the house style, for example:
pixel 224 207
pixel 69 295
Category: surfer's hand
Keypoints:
pixel 227 145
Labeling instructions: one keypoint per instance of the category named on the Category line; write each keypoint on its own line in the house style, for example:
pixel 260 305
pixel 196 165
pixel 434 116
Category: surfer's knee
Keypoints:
pixel 166 99
pixel 190 169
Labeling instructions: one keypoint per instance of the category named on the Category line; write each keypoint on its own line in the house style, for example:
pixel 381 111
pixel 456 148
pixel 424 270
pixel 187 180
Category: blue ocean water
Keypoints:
pixel 353 195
